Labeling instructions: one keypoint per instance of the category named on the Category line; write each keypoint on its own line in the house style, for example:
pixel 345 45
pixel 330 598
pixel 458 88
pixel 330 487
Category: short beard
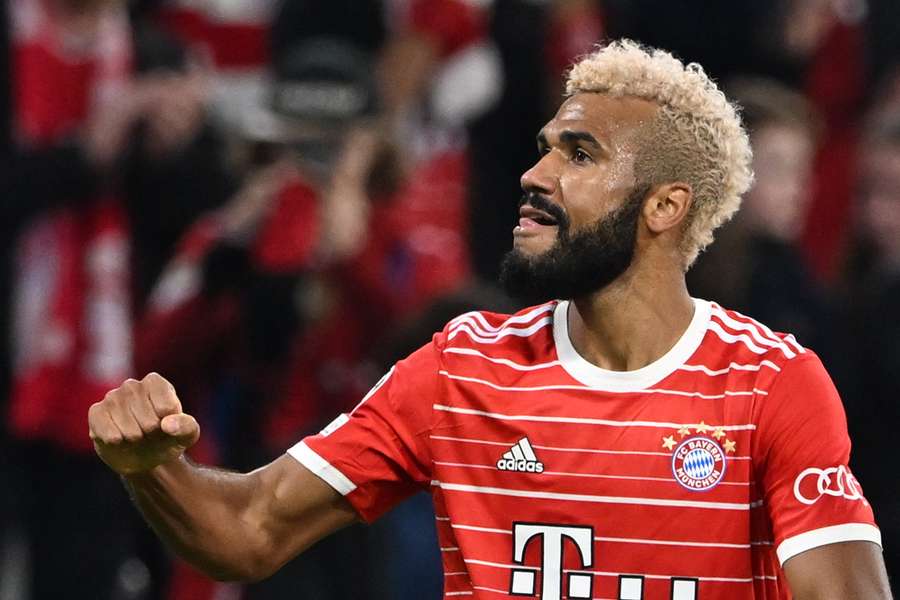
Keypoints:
pixel 580 263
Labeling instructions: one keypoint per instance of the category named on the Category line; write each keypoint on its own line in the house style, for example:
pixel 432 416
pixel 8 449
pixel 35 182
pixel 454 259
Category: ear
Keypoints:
pixel 667 205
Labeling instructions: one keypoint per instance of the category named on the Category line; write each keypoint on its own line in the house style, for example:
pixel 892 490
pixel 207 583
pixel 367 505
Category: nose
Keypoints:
pixel 540 178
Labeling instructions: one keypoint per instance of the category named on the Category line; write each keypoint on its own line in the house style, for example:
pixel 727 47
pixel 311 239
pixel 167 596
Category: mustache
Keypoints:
pixel 554 210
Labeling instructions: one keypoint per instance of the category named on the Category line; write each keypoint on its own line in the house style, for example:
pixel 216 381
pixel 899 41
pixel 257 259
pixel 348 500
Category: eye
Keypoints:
pixel 581 156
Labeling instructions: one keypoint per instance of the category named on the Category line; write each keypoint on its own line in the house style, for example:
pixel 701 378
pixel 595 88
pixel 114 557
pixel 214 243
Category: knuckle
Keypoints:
pixel 167 402
pixel 132 436
pixel 149 425
pixel 152 376
pixel 156 380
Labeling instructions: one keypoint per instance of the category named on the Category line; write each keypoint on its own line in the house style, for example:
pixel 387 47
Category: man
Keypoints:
pixel 631 442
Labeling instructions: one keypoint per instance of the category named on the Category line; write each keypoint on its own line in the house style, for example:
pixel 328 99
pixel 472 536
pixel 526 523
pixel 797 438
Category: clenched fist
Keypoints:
pixel 140 425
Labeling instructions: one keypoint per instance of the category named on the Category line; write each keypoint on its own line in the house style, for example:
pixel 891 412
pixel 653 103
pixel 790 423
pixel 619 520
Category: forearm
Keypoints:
pixel 231 526
pixel 202 514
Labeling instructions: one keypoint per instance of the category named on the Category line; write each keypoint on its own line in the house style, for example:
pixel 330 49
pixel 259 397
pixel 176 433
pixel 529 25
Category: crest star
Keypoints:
pixel 729 445
pixel 703 427
pixel 684 431
pixel 669 442
pixel 720 433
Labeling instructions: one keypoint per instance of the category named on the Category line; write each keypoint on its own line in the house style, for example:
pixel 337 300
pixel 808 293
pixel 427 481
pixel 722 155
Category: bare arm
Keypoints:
pixel 229 525
pixel 841 571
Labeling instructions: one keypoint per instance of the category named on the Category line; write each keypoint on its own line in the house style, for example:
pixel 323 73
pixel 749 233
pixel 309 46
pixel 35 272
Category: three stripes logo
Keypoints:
pixel 521 458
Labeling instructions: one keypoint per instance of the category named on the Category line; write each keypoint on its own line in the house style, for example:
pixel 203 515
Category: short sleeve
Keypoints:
pixel 802 453
pixel 378 454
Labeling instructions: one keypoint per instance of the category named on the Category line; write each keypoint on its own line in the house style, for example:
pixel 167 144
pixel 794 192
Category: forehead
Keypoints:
pixel 612 117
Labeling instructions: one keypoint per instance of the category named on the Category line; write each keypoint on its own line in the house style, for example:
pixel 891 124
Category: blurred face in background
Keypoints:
pixel 880 216
pixel 175 108
pixel 81 22
pixel 782 160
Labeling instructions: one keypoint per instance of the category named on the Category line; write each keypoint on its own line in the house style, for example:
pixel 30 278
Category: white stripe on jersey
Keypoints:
pixel 485 563
pixel 788 339
pixel 534 495
pixel 502 361
pixel 479 326
pixel 754 332
pixel 579 420
pixel 731 338
pixel 543 388
pixel 476 316
pixel 481 588
pixel 559 449
pixel 620 540
pixel 480 337
pixel 730 367
pixel 588 475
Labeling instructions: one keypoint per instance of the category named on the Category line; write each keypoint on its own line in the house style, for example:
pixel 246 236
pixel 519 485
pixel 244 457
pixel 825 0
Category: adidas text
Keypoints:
pixel 524 466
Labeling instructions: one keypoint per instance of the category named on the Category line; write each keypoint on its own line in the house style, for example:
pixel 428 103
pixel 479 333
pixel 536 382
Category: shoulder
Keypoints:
pixel 791 384
pixel 482 328
pixel 735 337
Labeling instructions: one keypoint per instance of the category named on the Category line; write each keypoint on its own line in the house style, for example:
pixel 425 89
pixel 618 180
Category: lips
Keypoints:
pixel 528 214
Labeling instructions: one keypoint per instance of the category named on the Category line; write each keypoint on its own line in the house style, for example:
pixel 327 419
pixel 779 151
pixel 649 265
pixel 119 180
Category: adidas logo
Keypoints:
pixel 520 458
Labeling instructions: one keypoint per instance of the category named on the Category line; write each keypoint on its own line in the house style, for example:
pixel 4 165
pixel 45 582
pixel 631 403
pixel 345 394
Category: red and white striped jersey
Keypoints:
pixel 696 476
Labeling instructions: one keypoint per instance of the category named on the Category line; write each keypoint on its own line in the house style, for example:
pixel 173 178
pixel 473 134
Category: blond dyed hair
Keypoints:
pixel 696 138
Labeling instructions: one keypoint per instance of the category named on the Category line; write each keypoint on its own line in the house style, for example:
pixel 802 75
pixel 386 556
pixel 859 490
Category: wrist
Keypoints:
pixel 156 473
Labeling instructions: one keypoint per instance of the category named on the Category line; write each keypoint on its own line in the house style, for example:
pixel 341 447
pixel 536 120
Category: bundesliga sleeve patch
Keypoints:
pixel 699 461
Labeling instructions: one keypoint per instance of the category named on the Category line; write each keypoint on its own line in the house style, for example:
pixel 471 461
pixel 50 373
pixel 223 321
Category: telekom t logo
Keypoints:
pixel 523 583
pixel 580 583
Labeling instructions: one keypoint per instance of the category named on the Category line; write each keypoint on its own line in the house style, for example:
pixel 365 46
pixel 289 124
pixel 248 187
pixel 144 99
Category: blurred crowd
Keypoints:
pixel 271 201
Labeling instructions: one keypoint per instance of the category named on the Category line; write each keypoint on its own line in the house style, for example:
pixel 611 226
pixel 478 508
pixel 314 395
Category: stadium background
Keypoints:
pixel 270 202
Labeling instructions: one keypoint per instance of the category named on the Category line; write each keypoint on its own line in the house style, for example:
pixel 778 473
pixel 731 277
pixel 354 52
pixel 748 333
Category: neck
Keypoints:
pixel 633 321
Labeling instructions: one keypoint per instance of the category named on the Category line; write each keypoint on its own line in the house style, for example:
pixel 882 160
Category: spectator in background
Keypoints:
pixel 231 39
pixel 259 299
pixel 70 312
pixel 97 188
pixel 873 304
pixel 756 266
pixel 174 168
pixel 817 47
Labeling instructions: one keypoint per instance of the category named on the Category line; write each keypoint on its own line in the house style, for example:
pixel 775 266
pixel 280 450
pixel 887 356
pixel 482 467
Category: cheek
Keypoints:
pixel 588 196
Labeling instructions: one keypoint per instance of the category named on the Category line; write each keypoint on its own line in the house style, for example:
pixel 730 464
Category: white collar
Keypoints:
pixel 628 381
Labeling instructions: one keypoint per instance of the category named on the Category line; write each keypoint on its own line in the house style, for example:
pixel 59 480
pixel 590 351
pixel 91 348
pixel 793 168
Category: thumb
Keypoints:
pixel 183 427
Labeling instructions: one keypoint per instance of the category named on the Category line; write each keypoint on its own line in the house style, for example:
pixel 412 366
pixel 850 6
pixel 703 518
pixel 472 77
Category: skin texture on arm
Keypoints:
pixel 842 571
pixel 231 526
pixel 236 526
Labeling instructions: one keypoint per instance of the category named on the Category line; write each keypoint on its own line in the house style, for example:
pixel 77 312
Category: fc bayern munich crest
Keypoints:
pixel 699 461
pixel 698 464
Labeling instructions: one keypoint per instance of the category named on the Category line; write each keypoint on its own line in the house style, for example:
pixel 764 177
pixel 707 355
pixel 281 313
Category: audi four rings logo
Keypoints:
pixel 812 483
